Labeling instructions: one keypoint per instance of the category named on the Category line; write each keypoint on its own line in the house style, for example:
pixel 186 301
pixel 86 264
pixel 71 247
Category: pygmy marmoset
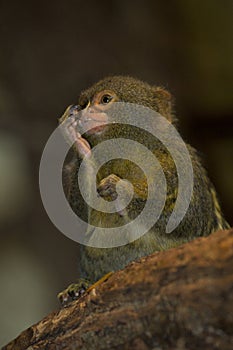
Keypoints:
pixel 203 215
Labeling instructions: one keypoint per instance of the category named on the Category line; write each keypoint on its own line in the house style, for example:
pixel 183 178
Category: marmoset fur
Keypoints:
pixel 203 216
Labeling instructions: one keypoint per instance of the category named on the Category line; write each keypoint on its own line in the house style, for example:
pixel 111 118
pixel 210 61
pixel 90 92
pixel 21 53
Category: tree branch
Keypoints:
pixel 177 299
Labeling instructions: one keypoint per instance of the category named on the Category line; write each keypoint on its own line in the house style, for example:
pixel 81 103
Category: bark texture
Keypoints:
pixel 177 299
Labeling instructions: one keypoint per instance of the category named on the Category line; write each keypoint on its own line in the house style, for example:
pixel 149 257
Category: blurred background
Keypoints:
pixel 52 50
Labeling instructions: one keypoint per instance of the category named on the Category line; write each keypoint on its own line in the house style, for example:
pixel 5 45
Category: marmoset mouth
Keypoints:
pixel 92 120
pixel 96 130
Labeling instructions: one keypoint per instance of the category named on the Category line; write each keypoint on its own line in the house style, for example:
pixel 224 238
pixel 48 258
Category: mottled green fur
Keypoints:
pixel 203 216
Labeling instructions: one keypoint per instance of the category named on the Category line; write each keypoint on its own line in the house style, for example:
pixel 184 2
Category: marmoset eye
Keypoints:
pixel 106 99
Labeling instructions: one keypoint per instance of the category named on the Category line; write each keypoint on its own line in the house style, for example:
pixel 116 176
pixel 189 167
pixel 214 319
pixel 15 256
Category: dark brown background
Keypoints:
pixel 52 50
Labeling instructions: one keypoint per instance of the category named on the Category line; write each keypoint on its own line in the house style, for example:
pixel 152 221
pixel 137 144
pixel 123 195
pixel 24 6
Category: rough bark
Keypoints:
pixel 177 299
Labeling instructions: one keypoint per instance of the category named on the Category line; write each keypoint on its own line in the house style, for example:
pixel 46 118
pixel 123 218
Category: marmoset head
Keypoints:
pixel 91 110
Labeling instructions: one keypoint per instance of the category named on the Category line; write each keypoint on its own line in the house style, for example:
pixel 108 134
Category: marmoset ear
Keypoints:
pixel 164 102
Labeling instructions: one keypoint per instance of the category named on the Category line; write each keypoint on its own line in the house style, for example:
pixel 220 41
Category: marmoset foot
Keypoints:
pixel 76 290
pixel 73 291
